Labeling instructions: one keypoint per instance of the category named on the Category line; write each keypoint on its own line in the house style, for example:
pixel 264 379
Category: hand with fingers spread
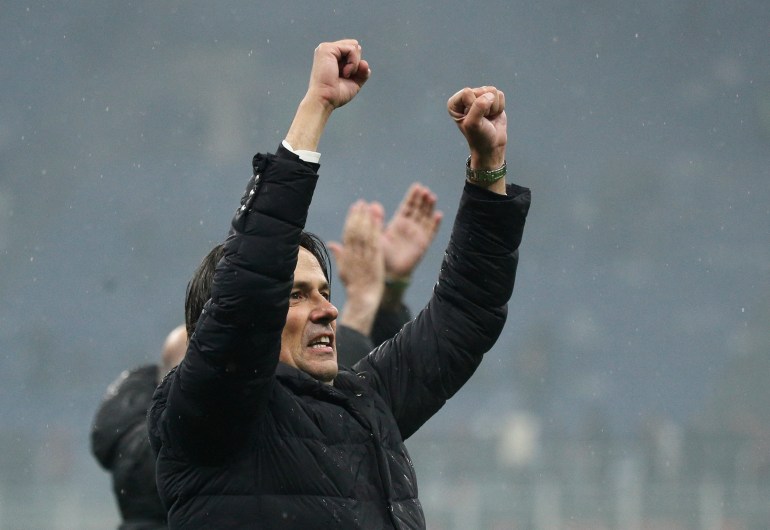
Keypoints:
pixel 410 232
pixel 360 265
pixel 375 266
pixel 480 116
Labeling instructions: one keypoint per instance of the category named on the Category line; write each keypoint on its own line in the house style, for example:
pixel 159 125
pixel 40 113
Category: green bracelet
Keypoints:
pixel 484 176
pixel 397 283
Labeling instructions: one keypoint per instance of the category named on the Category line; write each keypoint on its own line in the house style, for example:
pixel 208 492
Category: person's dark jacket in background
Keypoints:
pixel 120 444
pixel 244 441
pixel 352 345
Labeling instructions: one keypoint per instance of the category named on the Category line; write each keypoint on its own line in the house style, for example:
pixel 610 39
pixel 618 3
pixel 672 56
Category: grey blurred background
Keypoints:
pixel 631 386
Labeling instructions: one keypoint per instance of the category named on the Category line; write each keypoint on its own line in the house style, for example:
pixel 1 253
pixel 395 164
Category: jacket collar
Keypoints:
pixel 302 383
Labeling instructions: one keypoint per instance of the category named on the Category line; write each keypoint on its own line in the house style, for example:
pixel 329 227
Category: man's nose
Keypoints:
pixel 324 312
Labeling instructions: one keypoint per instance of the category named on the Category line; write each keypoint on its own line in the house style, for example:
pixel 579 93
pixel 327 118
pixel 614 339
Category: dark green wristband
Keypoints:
pixel 484 176
pixel 398 284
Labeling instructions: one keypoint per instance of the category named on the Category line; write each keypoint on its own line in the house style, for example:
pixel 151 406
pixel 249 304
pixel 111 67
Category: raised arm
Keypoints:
pixel 406 239
pixel 223 381
pixel 337 75
pixel 436 353
pixel 375 265
pixel 361 268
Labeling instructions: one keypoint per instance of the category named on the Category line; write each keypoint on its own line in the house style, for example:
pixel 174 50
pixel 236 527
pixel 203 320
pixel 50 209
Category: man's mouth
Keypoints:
pixel 322 343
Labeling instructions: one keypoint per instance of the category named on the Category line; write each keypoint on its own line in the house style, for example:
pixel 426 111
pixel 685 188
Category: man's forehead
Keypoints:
pixel 308 268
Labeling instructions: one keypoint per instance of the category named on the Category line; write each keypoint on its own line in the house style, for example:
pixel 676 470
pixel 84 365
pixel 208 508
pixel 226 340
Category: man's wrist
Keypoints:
pixel 308 124
pixel 395 287
pixel 314 157
pixel 487 160
pixel 487 172
pixel 359 314
pixel 484 176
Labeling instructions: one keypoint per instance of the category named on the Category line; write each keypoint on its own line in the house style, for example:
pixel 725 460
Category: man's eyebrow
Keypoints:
pixel 309 285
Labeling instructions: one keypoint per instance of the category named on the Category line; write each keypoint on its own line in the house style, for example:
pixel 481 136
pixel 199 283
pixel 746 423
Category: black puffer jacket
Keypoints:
pixel 120 444
pixel 246 442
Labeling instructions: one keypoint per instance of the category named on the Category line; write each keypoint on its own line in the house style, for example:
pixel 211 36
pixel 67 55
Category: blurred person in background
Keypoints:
pixel 258 426
pixel 375 267
pixel 119 438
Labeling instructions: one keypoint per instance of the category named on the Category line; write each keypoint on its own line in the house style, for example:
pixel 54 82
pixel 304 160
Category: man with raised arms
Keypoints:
pixel 258 427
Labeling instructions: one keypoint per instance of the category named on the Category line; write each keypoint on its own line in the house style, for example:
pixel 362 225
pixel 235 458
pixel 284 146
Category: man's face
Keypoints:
pixel 308 338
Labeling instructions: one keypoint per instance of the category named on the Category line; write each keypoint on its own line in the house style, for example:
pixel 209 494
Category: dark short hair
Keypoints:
pixel 199 286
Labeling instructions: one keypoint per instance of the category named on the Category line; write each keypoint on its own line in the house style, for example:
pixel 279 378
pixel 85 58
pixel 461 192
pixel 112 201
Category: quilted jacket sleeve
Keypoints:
pixel 201 408
pixel 435 354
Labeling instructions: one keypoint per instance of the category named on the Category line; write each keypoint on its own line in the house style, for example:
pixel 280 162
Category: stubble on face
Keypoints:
pixel 308 338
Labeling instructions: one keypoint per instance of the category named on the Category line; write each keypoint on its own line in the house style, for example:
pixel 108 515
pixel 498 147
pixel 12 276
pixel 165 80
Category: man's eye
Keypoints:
pixel 295 295
pixel 327 295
